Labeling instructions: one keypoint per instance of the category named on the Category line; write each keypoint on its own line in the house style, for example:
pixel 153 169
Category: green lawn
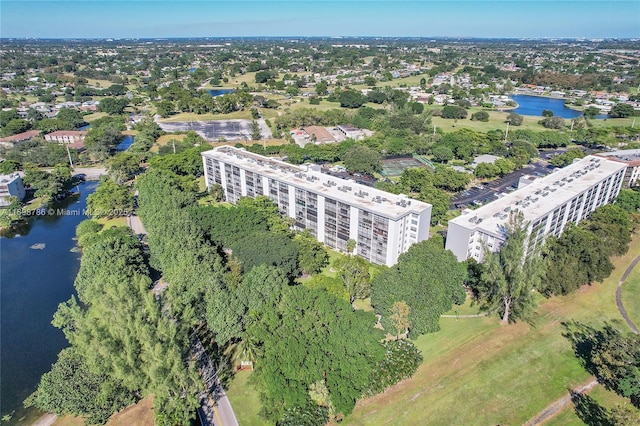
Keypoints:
pixel 477 371
pixel 96 115
pixel 631 295
pixel 245 401
pixel 116 221
pixel 187 116
pixel 603 397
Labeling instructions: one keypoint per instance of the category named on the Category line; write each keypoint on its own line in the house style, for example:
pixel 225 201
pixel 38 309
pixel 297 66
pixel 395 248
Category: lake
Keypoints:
pixel 533 105
pixel 37 273
pixel 219 92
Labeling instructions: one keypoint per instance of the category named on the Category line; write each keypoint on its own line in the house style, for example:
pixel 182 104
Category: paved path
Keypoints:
pixel 135 224
pixel 623 312
pixel 482 314
pixel 216 409
pixel 559 404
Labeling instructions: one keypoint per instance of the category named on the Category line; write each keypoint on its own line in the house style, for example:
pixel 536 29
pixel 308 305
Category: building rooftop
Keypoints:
pixel 9 178
pixel 322 135
pixel 374 200
pixel 68 133
pixel 21 136
pixel 631 156
pixel 541 196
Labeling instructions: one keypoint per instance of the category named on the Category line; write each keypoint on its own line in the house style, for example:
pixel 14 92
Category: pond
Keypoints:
pixel 534 105
pixel 38 270
pixel 219 92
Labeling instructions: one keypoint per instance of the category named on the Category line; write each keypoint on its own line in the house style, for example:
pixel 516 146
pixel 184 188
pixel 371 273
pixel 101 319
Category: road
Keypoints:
pixel 89 173
pixel 135 224
pixel 216 409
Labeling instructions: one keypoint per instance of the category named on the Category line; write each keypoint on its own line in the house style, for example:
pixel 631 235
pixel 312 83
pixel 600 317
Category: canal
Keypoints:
pixel 37 271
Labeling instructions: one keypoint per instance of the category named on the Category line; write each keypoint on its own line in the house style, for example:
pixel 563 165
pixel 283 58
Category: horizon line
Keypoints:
pixel 323 37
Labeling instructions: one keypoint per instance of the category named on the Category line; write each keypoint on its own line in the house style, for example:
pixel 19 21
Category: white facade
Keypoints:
pixel 548 204
pixel 11 186
pixel 630 157
pixel 335 210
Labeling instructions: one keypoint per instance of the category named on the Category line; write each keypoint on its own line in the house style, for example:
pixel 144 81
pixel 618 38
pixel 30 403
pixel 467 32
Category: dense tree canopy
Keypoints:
pixel 428 278
pixel 310 337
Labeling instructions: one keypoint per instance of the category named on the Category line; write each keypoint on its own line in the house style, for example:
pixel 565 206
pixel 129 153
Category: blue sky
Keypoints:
pixel 426 18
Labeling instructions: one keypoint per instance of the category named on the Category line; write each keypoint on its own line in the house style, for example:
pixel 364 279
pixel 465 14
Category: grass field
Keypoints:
pixel 603 397
pixel 140 414
pixel 116 221
pixel 631 295
pixel 91 117
pixel 187 116
pixel 495 374
pixel 245 401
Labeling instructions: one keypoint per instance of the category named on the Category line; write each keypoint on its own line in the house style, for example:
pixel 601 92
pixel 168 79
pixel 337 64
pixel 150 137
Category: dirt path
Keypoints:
pixel 46 420
pixel 623 312
pixel 559 404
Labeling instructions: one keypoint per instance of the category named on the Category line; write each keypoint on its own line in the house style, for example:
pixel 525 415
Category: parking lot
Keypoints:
pixel 488 192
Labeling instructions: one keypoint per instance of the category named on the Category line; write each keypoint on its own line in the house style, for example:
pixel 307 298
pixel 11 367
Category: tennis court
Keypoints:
pixel 395 166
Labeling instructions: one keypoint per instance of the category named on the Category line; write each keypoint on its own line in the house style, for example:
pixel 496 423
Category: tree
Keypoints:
pixel 442 154
pixel 400 362
pixel 553 123
pixel 621 110
pixel 352 99
pixel 591 112
pixel 567 158
pixel 165 108
pixel 628 199
pixel 321 88
pixel 400 317
pixel 486 170
pixel 454 112
pixel 511 274
pixel 354 274
pixel 428 278
pixel 312 256
pixel 376 96
pixel 15 126
pixel 613 226
pixel 123 166
pixel 312 336
pixel 267 248
pixel 113 106
pixel 480 116
pixel 514 119
pixel 547 113
pixel 370 81
pixel 613 357
pixel 71 388
pixel 69 119
pixel 122 332
pixel 255 131
pixel 362 159
pixel 110 200
pixel 102 139
pixel 438 199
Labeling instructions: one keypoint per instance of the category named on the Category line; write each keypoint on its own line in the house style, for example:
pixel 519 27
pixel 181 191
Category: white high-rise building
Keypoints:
pixel 335 210
pixel 11 186
pixel 548 204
